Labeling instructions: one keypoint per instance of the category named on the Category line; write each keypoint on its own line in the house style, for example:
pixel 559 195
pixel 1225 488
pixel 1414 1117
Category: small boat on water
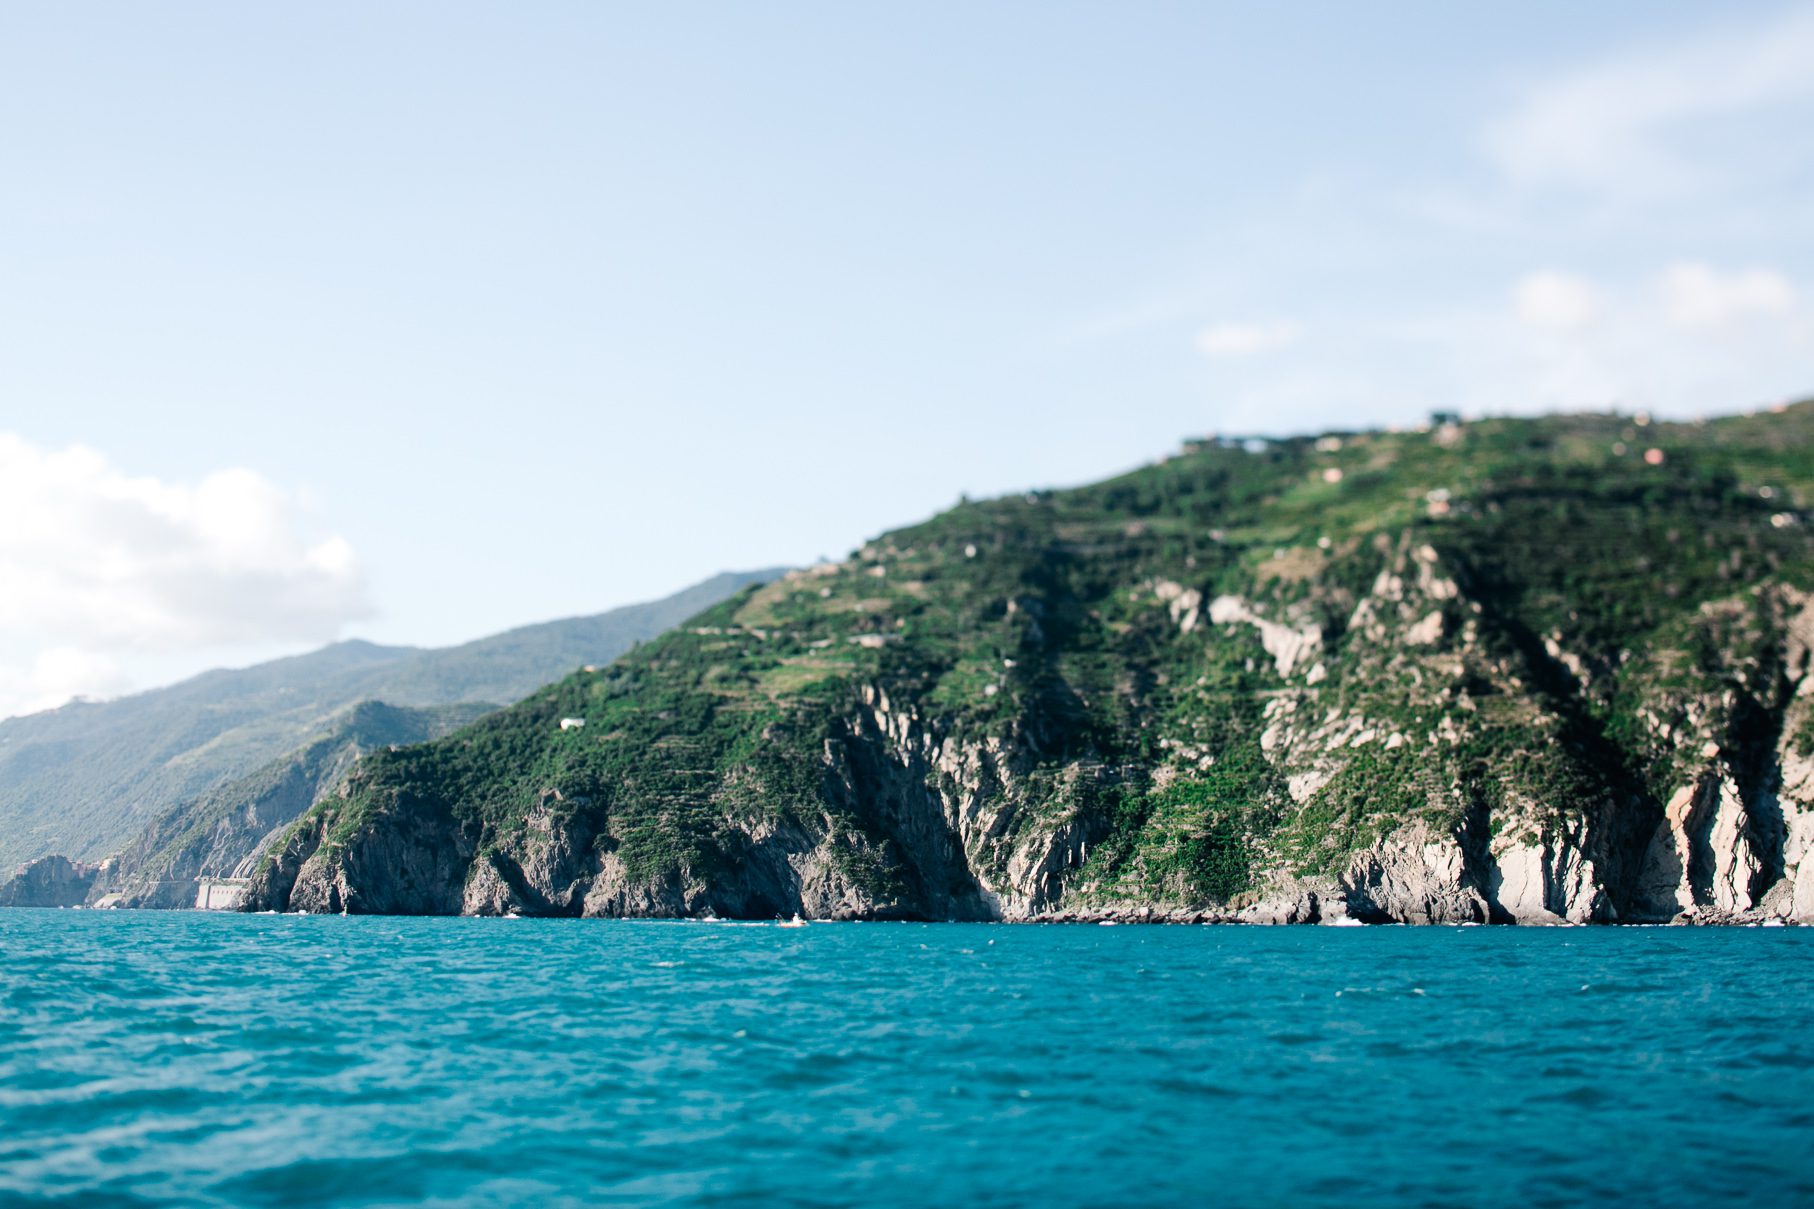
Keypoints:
pixel 795 922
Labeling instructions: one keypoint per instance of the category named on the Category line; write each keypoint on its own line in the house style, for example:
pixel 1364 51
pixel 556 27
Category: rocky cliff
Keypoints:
pixel 221 833
pixel 1512 671
pixel 49 881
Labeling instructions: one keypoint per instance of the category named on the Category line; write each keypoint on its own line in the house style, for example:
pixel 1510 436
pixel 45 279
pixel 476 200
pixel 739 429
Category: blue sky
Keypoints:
pixel 415 321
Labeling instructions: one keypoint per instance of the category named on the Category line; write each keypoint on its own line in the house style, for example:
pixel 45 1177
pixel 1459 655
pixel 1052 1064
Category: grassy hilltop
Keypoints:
pixel 1509 669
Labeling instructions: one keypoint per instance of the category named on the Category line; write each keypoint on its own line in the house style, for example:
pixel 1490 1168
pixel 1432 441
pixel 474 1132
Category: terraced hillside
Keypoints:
pixel 1508 670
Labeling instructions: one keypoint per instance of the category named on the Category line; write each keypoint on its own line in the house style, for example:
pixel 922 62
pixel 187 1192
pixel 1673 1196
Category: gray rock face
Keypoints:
pixel 1413 876
pixel 51 881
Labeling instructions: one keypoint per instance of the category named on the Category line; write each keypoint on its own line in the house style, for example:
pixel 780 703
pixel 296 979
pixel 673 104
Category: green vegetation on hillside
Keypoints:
pixel 1251 658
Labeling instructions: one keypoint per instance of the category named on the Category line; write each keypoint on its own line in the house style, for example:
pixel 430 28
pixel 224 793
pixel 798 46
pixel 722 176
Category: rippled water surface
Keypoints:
pixel 192 1058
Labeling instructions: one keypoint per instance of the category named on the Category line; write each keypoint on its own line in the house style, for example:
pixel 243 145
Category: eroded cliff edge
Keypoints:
pixel 1502 672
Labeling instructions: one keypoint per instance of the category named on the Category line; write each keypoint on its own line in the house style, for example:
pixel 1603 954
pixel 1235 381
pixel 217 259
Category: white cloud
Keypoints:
pixel 1483 357
pixel 1562 301
pixel 1244 339
pixel 1618 125
pixel 95 562
pixel 1699 296
pixel 56 676
pixel 1542 279
pixel 1681 347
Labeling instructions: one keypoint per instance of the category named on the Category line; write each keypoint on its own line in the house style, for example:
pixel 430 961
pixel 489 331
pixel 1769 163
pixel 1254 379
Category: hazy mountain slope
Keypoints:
pixel 78 780
pixel 509 666
pixel 1508 670
pixel 81 780
pixel 221 832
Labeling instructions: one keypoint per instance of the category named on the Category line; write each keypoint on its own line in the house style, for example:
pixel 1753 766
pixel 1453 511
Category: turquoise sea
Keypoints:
pixel 206 1059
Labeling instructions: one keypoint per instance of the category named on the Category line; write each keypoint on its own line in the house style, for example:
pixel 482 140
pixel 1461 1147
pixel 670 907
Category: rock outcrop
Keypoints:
pixel 50 881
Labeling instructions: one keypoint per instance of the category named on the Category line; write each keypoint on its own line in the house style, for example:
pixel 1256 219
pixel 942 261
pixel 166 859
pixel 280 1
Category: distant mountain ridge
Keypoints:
pixel 81 780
